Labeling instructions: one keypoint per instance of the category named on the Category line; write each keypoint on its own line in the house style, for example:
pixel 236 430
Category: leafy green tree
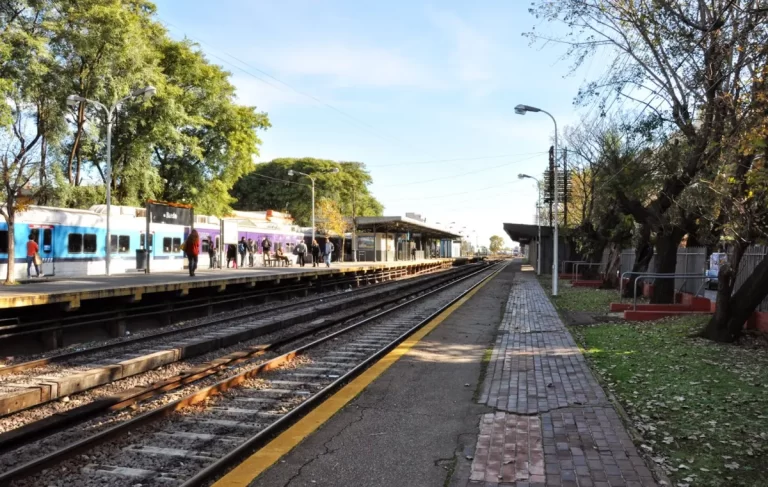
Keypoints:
pixel 496 244
pixel 269 186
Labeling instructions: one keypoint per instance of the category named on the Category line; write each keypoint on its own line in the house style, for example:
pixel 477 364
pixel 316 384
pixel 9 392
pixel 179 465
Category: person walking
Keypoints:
pixel 266 246
pixel 232 255
pixel 301 251
pixel 212 254
pixel 251 249
pixel 315 253
pixel 32 256
pixel 328 251
pixel 242 249
pixel 192 249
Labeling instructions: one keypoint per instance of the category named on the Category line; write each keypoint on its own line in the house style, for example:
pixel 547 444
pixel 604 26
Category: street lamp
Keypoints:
pixel 291 172
pixel 522 110
pixel 538 221
pixel 75 101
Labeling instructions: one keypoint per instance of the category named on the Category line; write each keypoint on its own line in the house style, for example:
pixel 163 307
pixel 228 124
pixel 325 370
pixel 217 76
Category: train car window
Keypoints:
pixel 89 242
pixel 3 241
pixel 177 245
pixel 125 244
pixel 113 243
pixel 75 243
pixel 166 244
pixel 47 237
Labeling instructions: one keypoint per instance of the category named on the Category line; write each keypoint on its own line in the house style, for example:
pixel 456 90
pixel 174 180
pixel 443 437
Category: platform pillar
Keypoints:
pixel 51 339
pixel 118 328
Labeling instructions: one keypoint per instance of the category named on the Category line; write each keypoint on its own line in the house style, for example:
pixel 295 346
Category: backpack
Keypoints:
pixel 241 248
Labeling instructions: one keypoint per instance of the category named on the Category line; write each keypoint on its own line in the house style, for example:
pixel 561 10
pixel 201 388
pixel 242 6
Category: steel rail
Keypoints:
pixel 9 369
pixel 45 427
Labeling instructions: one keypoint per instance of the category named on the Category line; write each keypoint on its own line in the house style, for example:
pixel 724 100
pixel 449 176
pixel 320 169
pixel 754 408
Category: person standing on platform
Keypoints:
pixel 266 246
pixel 301 251
pixel 242 249
pixel 212 254
pixel 192 249
pixel 232 255
pixel 315 253
pixel 32 256
pixel 328 252
pixel 251 249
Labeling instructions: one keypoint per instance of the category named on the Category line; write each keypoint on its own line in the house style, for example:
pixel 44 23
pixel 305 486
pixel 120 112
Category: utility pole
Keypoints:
pixel 551 181
pixel 565 187
pixel 354 226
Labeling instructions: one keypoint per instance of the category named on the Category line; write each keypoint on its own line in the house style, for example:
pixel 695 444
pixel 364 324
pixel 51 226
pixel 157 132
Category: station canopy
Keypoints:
pixel 401 224
pixel 524 234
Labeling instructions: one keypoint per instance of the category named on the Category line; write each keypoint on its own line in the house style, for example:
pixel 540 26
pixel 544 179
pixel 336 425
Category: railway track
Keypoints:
pixel 36 382
pixel 194 438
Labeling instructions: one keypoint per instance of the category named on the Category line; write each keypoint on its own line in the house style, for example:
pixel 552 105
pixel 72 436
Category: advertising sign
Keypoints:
pixel 229 231
pixel 365 243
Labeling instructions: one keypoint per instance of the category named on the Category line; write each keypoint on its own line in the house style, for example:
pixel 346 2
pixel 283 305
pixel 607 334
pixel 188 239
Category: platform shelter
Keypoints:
pixel 399 238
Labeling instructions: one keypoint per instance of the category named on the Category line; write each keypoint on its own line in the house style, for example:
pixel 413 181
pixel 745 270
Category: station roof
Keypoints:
pixel 401 224
pixel 524 234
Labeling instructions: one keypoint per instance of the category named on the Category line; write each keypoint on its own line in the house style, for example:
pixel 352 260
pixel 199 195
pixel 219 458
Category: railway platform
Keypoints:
pixel 494 392
pixel 73 291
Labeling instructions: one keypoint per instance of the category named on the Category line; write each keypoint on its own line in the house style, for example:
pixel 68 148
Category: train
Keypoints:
pixel 72 242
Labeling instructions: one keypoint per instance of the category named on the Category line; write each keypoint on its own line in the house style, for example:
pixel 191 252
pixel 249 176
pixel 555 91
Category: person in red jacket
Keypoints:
pixel 32 250
pixel 192 249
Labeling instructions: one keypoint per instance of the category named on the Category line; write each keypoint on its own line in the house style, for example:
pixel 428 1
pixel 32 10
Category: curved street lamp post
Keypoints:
pixel 75 101
pixel 522 110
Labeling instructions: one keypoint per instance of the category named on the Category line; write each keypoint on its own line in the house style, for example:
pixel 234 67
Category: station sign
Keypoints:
pixel 173 214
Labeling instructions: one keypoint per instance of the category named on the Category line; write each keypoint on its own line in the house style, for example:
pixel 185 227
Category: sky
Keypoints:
pixel 422 92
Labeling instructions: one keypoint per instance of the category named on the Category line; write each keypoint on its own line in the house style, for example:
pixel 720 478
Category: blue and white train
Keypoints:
pixel 72 242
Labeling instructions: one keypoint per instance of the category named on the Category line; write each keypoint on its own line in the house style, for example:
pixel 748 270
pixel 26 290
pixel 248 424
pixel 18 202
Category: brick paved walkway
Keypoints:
pixel 552 425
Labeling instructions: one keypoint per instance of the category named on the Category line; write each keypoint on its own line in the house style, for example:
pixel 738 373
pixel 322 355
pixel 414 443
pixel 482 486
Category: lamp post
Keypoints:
pixel 74 101
pixel 538 221
pixel 291 172
pixel 522 110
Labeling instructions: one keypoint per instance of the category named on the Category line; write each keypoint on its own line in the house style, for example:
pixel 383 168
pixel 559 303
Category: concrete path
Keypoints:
pixel 552 424
pixel 408 428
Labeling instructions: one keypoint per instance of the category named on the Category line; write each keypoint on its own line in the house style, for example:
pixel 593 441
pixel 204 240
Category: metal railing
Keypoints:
pixel 585 264
pixel 641 276
pixel 572 262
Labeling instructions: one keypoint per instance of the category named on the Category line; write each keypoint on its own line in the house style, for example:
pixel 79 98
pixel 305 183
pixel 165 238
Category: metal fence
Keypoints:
pixel 752 257
pixel 690 260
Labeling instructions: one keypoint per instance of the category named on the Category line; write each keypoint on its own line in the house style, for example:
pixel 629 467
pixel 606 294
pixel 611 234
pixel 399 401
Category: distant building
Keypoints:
pixel 416 216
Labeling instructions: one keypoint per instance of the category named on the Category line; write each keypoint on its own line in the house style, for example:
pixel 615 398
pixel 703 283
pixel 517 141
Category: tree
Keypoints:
pixel 683 62
pixel 496 244
pixel 269 186
pixel 331 221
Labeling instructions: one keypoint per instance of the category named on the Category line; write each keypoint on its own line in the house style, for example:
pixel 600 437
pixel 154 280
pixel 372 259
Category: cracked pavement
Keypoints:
pixel 416 425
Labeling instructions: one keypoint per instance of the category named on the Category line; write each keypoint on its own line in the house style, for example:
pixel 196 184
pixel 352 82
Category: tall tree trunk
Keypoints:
pixel 10 276
pixel 643 255
pixel 734 309
pixel 610 277
pixel 667 242
pixel 76 143
pixel 43 200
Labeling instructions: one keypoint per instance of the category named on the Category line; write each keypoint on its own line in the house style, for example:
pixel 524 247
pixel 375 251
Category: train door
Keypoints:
pixel 43 235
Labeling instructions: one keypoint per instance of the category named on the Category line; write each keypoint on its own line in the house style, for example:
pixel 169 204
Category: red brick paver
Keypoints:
pixel 552 424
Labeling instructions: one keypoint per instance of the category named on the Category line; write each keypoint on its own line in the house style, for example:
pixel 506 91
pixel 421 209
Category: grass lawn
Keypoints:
pixel 579 298
pixel 701 407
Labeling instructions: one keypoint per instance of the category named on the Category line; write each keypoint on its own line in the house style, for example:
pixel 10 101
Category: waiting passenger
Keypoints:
pixel 32 255
pixel 192 249
pixel 232 255
pixel 328 252
pixel 212 253
pixel 242 249
pixel 281 256
pixel 315 253
pixel 266 246
pixel 251 249
pixel 301 251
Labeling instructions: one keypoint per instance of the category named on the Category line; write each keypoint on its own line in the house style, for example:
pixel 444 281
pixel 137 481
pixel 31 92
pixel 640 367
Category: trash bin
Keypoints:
pixel 141 259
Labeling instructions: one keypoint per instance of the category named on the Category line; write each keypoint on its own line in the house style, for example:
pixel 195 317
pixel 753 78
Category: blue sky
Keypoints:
pixel 398 85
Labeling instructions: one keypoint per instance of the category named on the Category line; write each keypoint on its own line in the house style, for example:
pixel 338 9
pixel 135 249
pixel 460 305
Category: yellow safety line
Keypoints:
pixel 257 463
